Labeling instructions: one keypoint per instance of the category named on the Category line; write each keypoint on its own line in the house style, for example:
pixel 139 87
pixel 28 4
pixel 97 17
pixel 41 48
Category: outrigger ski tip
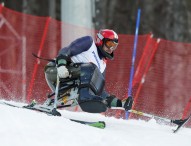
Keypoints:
pixel 180 123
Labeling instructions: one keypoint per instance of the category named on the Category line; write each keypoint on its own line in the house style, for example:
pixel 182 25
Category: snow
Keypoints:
pixel 22 127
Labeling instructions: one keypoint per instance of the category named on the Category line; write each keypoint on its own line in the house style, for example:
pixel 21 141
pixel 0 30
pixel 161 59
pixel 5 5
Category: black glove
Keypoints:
pixel 63 60
pixel 128 103
pixel 113 101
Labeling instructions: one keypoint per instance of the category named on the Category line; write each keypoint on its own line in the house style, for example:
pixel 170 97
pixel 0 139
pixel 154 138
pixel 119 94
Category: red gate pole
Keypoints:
pixel 150 36
pixel 37 60
pixel 146 71
pixel 186 109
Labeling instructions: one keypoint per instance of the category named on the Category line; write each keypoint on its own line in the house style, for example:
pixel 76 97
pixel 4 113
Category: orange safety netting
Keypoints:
pixel 162 68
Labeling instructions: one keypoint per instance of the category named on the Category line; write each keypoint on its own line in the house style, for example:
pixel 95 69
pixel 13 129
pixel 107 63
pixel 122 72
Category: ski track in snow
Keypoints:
pixel 22 127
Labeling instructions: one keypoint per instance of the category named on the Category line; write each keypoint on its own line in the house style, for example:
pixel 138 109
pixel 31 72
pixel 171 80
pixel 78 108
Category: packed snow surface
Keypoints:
pixel 23 127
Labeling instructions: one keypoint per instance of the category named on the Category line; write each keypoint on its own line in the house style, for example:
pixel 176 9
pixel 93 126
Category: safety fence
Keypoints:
pixel 162 80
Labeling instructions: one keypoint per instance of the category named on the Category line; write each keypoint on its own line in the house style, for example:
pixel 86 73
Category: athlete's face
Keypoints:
pixel 106 49
pixel 110 46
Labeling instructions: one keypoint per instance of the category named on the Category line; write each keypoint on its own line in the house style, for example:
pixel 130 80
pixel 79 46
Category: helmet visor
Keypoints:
pixel 112 45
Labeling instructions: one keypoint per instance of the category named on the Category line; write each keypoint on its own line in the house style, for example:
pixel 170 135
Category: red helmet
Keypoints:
pixel 104 36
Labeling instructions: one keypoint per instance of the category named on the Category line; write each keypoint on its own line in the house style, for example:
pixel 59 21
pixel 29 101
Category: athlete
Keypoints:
pixel 85 50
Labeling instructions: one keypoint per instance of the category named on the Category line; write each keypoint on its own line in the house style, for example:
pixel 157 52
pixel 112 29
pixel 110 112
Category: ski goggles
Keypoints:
pixel 112 45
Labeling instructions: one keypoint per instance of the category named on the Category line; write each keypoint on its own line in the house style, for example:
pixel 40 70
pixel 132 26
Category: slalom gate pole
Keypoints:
pixel 186 109
pixel 31 84
pixel 145 73
pixel 134 56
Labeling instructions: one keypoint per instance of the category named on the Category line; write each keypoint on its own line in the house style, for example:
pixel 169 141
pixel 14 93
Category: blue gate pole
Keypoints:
pixel 134 56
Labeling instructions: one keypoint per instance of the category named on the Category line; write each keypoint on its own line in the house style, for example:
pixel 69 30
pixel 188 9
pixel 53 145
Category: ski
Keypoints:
pixel 54 112
pixel 180 123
